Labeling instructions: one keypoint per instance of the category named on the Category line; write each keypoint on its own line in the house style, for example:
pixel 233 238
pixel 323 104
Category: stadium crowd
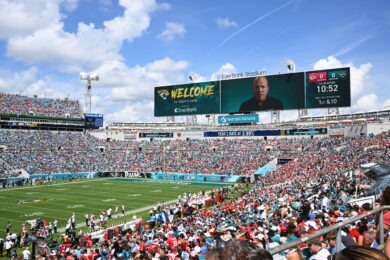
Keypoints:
pixel 23 105
pixel 62 152
pixel 265 216
pixel 74 152
pixel 297 199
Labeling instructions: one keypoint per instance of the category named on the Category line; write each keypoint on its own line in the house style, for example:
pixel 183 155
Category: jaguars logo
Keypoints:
pixel 164 94
pixel 343 74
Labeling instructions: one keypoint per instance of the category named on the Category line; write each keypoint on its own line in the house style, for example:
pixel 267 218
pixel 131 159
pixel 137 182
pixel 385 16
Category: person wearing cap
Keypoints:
pixel 315 247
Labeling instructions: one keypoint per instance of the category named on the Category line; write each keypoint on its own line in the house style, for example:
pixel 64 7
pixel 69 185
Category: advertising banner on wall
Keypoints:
pixel 243 133
pixel 238 119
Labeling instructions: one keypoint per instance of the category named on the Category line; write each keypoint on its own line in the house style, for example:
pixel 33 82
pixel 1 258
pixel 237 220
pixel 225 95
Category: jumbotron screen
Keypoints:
pixel 312 89
pixel 328 88
pixel 93 120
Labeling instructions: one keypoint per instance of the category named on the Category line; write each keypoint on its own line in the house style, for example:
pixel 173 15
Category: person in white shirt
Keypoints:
pixel 8 246
pixel 315 247
pixel 26 254
pixel 325 202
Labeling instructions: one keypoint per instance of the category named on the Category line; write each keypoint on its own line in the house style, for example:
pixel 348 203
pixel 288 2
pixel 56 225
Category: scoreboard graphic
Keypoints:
pixel 93 120
pixel 328 88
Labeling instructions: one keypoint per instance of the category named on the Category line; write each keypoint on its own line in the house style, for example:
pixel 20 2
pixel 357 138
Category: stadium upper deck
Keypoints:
pixel 34 106
pixel 21 112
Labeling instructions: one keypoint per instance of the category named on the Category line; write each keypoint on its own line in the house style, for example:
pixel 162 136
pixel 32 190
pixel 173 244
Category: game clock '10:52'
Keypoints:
pixel 328 88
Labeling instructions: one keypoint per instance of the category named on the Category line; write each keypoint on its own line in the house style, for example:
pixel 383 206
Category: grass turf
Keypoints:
pixel 60 200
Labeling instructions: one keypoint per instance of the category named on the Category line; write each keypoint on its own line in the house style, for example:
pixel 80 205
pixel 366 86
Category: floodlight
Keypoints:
pixel 83 75
pixel 94 77
pixel 193 76
pixel 88 95
pixel 290 65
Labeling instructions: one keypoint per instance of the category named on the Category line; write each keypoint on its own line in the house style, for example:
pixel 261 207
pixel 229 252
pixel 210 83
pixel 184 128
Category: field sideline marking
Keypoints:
pixel 28 186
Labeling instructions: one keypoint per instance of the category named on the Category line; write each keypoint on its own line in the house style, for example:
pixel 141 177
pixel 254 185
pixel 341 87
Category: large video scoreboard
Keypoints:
pixel 328 88
pixel 312 89
pixel 93 120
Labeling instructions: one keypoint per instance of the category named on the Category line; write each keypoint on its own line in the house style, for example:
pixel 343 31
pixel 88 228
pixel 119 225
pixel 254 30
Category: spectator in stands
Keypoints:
pixel 331 239
pixel 240 250
pixel 343 198
pixel 360 253
pixel 369 239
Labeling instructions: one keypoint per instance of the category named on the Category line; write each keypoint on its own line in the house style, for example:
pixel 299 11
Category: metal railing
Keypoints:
pixel 337 227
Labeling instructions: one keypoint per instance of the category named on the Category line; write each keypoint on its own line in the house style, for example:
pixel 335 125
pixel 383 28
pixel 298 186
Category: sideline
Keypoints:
pixel 127 213
pixel 28 186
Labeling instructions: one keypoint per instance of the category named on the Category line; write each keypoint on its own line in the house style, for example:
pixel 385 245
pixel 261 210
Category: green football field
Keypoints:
pixel 60 200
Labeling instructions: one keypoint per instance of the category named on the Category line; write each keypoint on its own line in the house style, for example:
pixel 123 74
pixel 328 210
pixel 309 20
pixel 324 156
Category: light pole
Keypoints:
pixel 88 93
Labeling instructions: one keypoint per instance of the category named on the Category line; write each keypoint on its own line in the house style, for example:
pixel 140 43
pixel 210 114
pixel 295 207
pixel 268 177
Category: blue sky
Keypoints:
pixel 136 45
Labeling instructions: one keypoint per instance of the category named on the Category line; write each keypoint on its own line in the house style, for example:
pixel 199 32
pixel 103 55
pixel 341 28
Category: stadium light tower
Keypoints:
pixel 291 69
pixel 290 66
pixel 192 119
pixel 88 89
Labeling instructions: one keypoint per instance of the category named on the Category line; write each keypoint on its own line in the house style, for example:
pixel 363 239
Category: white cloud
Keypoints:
pixel 164 6
pixel 19 79
pixel 172 30
pixel 70 5
pixel 137 83
pixel 21 18
pixel 131 112
pixel 386 104
pixel 26 83
pixel 35 33
pixel 225 22
pixel 367 103
pixel 226 68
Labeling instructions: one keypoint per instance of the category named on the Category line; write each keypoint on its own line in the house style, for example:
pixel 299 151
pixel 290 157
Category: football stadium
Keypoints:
pixel 73 188
pixel 192 133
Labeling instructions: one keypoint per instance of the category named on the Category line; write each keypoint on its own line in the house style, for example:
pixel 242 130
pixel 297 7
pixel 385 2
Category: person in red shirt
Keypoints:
pixel 172 242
